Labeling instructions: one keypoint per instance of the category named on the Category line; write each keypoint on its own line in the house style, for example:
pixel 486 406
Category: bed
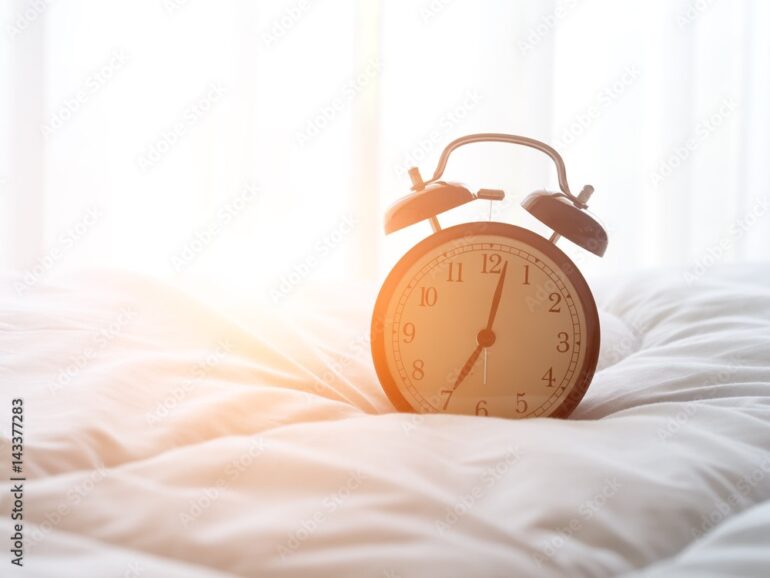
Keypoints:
pixel 164 437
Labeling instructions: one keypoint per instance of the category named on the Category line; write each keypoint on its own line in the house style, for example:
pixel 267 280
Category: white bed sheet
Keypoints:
pixel 164 438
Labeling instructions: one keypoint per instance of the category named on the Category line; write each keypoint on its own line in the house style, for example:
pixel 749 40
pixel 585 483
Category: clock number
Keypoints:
pixel 409 332
pixel 418 369
pixel 481 408
pixel 458 269
pixel 526 275
pixel 448 393
pixel 492 263
pixel 555 298
pixel 548 378
pixel 563 342
pixel 428 296
pixel 521 403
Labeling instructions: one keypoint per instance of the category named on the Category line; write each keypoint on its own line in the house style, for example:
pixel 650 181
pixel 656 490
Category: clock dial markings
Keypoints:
pixel 486 337
pixel 455 301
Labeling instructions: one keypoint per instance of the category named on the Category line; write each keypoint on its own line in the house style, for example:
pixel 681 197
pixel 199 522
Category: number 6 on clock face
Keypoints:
pixel 485 319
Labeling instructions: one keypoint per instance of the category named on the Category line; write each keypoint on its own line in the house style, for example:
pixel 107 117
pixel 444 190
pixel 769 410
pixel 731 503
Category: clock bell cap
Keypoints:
pixel 559 213
pixel 435 198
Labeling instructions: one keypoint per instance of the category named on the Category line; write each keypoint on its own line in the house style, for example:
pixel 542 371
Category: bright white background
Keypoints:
pixel 255 146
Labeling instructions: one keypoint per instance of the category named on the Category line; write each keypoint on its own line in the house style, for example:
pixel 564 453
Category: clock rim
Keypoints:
pixel 561 260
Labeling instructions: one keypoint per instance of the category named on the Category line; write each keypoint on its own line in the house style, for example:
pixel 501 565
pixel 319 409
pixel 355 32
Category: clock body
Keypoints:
pixel 487 319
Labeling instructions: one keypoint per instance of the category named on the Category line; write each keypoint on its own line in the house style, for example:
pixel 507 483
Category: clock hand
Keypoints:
pixel 486 336
pixel 496 298
pixel 486 351
pixel 468 366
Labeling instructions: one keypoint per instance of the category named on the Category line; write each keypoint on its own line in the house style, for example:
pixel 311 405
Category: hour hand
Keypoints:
pixel 468 366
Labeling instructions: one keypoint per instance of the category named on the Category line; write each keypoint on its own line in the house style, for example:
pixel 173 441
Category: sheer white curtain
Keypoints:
pixel 255 145
pixel 663 106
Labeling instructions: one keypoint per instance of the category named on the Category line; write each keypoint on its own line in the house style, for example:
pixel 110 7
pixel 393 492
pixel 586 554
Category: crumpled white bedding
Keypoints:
pixel 164 438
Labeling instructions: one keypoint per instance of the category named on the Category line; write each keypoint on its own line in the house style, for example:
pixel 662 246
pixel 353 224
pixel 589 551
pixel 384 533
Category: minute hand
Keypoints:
pixel 496 298
pixel 484 334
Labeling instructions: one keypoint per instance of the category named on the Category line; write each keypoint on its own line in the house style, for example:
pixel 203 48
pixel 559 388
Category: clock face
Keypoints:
pixel 485 319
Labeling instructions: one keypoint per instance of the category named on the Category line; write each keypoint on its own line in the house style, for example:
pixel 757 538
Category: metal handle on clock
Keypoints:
pixel 561 169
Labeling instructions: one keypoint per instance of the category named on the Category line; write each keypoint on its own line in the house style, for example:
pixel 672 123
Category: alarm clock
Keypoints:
pixel 488 318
